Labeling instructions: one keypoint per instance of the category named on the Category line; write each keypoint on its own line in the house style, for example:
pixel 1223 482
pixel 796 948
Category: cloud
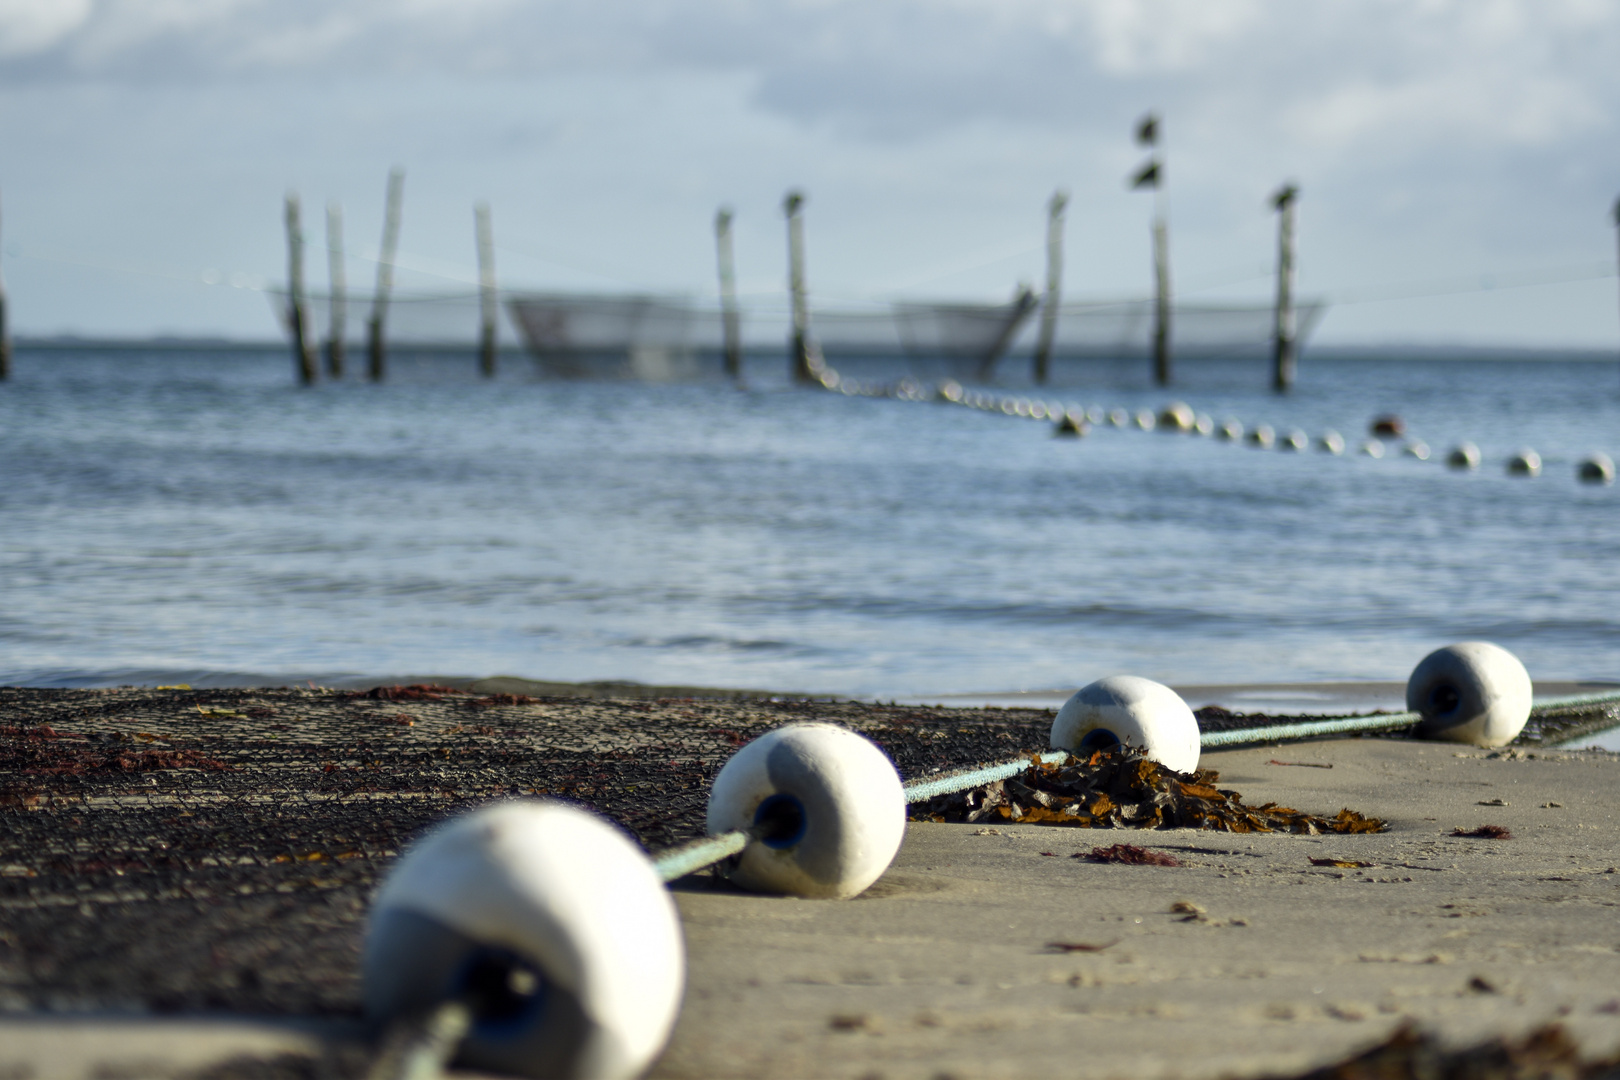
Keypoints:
pixel 31 26
pixel 1332 73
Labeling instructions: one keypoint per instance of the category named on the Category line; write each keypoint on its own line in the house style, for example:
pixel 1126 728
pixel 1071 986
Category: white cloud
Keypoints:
pixel 27 26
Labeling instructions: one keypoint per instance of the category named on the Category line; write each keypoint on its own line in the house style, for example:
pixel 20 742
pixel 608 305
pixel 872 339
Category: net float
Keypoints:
pixel 1471 692
pixel 1129 709
pixel 824 808
pixel 548 924
pixel 1465 455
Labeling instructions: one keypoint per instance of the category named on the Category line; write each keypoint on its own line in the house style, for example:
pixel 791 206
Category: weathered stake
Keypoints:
pixel 1054 283
pixel 486 291
pixel 5 335
pixel 1161 301
pixel 1151 175
pixel 1283 358
pixel 803 366
pixel 385 276
pixel 339 295
pixel 729 322
pixel 297 309
pixel 1617 228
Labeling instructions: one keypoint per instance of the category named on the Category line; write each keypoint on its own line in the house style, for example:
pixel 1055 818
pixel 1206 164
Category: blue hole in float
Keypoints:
pixel 781 821
pixel 1099 739
pixel 505 993
pixel 1444 699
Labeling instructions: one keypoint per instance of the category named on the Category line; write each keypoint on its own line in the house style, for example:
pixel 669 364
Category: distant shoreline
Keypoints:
pixel 1384 352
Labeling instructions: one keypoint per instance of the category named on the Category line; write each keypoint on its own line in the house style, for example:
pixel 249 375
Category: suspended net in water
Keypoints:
pixel 433 321
pixel 1125 328
pixel 649 336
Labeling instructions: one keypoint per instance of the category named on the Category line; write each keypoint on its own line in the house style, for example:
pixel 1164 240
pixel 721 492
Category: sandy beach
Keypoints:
pixel 184 877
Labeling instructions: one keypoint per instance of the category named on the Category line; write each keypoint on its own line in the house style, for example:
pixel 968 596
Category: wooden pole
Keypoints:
pixel 297 309
pixel 385 275
pixel 1283 357
pixel 793 206
pixel 1161 300
pixel 1151 175
pixel 1617 228
pixel 339 293
pixel 486 291
pixel 5 335
pixel 1054 283
pixel 729 321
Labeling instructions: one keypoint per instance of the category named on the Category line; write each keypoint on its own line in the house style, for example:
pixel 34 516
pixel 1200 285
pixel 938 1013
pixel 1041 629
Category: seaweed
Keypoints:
pixel 1121 788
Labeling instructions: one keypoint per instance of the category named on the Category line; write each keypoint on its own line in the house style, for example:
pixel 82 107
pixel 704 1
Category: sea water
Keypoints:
pixel 192 515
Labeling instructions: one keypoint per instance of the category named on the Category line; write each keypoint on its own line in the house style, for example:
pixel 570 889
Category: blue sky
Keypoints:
pixel 1441 146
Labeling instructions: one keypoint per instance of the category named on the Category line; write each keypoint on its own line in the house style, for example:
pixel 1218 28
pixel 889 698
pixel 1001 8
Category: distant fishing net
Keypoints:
pixel 1125 328
pixel 435 321
pixel 1120 788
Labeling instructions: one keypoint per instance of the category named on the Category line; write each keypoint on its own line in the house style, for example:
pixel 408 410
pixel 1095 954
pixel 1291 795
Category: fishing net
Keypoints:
pixel 1125 328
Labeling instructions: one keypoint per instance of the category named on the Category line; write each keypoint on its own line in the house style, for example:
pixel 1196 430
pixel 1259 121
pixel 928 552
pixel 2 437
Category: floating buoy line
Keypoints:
pixel 534 938
pixel 1386 434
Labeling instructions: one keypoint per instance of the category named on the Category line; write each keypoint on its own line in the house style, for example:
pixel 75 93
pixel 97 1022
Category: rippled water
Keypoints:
pixel 180 516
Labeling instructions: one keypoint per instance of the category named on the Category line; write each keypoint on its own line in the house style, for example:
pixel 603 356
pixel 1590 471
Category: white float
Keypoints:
pixel 1472 692
pixel 1118 418
pixel 1373 448
pixel 1177 417
pixel 1525 463
pixel 1145 419
pixel 1125 708
pixel 1204 424
pixel 549 924
pixel 1465 455
pixel 1416 448
pixel 1231 430
pixel 826 804
pixel 1331 442
pixel 1262 436
pixel 1596 469
pixel 1295 439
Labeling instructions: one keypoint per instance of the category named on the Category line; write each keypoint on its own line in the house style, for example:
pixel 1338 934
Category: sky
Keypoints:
pixel 1458 160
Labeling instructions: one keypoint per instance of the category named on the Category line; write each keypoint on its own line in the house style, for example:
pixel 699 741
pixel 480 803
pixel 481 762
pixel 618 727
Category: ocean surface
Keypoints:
pixel 191 515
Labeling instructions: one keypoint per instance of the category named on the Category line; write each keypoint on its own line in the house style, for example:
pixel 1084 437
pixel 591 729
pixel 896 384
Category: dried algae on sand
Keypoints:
pixel 1120 788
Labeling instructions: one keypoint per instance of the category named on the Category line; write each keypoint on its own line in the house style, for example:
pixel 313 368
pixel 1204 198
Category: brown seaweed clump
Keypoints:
pixel 1120 788
pixel 1547 1053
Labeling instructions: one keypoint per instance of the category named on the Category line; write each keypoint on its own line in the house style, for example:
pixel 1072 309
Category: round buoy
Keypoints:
pixel 1128 709
pixel 1388 426
pixel 1144 419
pixel 1465 455
pixel 1204 424
pixel 1295 439
pixel 1596 469
pixel 1176 417
pixel 1262 436
pixel 549 924
pixel 1331 442
pixel 1473 692
pixel 1037 410
pixel 1416 448
pixel 1095 414
pixel 1373 448
pixel 1118 418
pixel 1073 425
pixel 1525 463
pixel 826 806
pixel 950 390
pixel 1231 430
